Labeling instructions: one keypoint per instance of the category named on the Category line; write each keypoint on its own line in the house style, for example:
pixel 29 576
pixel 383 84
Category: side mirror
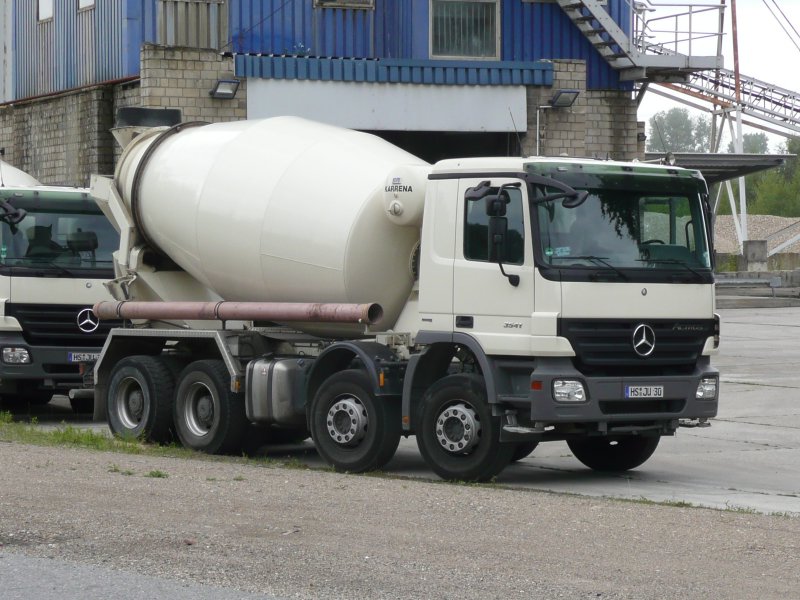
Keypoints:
pixel 496 205
pixel 498 232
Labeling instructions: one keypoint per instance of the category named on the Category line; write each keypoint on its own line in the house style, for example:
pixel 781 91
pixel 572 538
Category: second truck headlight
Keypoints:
pixel 16 356
pixel 568 390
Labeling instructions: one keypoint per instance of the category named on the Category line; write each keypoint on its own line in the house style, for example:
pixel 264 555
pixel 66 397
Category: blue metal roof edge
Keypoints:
pixel 431 72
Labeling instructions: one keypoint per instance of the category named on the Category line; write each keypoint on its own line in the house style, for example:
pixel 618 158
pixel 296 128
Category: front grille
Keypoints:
pixel 605 347
pixel 57 325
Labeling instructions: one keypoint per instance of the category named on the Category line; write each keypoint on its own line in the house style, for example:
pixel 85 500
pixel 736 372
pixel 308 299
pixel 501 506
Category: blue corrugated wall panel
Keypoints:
pixel 77 48
pixel 537 31
pixel 103 44
pixel 398 29
pixel 430 72
pixel 296 27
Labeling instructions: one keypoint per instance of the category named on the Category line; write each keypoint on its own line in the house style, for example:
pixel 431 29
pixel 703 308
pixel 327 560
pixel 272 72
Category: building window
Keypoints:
pixel 45 9
pixel 366 4
pixel 465 29
pixel 85 4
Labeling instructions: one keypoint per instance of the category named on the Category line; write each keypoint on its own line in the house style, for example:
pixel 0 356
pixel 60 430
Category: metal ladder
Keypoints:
pixel 635 57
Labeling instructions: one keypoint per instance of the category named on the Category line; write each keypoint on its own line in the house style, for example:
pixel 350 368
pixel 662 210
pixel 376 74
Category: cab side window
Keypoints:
pixel 476 230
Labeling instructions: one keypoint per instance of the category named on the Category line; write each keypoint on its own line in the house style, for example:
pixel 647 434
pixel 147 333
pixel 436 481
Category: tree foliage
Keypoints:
pixel 676 130
pixel 752 143
pixel 777 191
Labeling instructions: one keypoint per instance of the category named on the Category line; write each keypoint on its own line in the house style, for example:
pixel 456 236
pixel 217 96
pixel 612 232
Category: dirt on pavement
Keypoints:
pixel 317 534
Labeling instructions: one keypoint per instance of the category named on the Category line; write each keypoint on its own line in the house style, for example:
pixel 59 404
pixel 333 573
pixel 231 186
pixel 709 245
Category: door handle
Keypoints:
pixel 465 322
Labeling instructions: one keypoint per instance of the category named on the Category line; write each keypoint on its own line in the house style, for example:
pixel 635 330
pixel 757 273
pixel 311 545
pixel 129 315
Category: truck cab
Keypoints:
pixel 582 291
pixel 55 255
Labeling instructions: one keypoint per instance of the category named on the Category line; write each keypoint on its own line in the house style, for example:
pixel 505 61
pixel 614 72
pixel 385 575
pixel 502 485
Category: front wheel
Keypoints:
pixel 614 454
pixel 352 429
pixel 456 433
pixel 209 417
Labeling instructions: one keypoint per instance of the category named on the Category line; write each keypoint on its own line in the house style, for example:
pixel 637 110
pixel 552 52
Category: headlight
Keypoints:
pixel 567 390
pixel 16 356
pixel 707 389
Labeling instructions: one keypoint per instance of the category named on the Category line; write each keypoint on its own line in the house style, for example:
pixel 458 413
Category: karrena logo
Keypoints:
pixel 398 188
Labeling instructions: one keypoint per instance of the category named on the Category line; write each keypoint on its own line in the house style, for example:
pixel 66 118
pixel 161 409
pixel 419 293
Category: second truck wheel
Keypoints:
pixel 352 429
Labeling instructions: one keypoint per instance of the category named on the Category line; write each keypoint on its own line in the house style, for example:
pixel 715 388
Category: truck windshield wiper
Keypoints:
pixel 603 260
pixel 673 261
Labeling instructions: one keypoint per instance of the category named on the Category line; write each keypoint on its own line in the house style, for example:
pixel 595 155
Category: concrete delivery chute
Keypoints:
pixel 603 338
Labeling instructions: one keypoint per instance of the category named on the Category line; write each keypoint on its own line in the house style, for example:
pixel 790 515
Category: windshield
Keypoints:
pixel 62 235
pixel 621 229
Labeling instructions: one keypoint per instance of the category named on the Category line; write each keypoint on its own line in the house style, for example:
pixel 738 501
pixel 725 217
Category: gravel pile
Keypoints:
pixel 775 230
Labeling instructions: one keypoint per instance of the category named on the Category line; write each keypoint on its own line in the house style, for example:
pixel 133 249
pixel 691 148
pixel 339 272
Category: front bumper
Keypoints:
pixel 55 367
pixel 606 402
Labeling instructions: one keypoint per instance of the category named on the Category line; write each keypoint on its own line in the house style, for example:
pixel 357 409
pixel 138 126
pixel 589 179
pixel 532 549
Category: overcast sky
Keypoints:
pixel 766 52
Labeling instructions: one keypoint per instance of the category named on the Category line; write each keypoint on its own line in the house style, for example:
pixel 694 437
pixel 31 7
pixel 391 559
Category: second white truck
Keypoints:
pixel 308 278
pixel 55 256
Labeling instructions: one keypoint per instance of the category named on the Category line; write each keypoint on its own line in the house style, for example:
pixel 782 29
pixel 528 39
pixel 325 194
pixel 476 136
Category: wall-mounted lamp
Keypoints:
pixel 560 99
pixel 225 89
pixel 564 98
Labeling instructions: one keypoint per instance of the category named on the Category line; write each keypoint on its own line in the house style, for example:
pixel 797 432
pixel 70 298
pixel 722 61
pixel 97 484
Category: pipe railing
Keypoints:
pixel 676 32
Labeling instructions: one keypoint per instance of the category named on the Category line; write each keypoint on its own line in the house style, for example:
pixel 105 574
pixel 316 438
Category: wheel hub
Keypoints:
pixel 205 410
pixel 457 429
pixel 199 410
pixel 135 405
pixel 347 421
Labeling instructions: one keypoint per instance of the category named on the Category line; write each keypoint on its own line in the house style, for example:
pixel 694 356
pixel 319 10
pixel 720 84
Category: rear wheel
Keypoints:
pixel 456 433
pixel 209 417
pixel 352 429
pixel 614 454
pixel 139 400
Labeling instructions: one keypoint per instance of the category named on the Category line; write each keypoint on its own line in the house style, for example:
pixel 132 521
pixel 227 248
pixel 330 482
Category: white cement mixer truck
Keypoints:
pixel 311 279
pixel 55 255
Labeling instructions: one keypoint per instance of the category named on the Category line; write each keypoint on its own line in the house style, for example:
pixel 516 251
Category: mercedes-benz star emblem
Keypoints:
pixel 87 321
pixel 644 340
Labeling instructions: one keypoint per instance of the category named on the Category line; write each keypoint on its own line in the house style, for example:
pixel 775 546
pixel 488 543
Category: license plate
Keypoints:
pixel 644 391
pixel 83 357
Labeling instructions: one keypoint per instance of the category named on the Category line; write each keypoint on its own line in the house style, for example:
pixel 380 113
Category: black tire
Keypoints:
pixel 352 429
pixel 522 450
pixel 614 454
pixel 482 455
pixel 209 417
pixel 139 399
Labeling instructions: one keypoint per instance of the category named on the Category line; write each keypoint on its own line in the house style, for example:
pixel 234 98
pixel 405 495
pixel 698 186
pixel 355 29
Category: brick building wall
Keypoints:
pixel 63 139
pixel 60 139
pixel 600 124
pixel 182 78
